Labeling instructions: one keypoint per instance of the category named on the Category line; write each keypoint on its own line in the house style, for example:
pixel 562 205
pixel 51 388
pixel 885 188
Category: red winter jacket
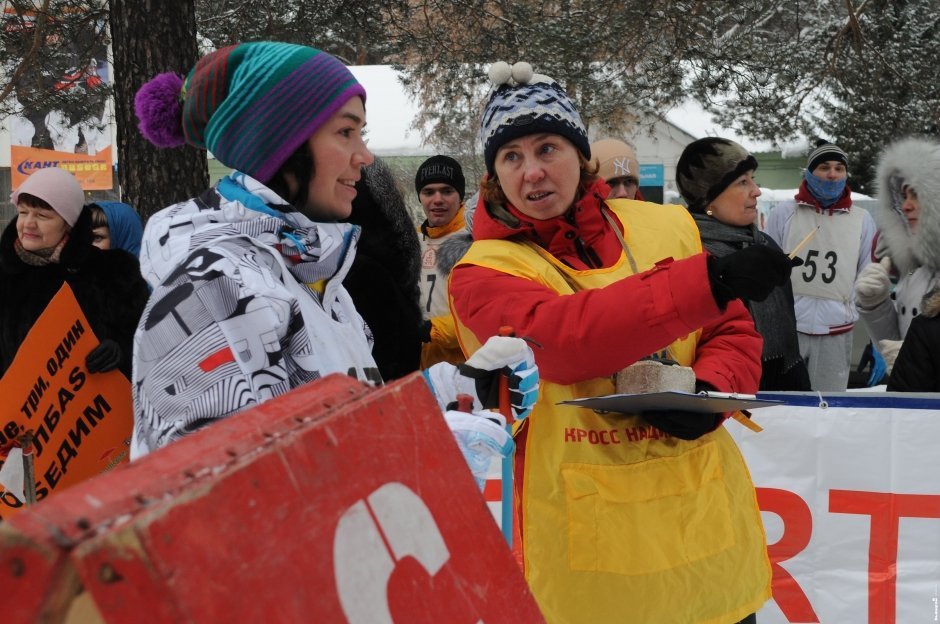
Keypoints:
pixel 595 333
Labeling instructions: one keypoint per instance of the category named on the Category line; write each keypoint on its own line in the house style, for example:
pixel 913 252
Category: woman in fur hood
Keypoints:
pixel 908 218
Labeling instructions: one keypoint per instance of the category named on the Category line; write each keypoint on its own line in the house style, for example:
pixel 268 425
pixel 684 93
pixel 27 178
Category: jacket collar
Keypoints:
pixel 456 224
pixel 576 237
pixel 843 204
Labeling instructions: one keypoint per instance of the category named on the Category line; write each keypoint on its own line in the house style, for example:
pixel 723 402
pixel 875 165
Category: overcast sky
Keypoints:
pixel 390 113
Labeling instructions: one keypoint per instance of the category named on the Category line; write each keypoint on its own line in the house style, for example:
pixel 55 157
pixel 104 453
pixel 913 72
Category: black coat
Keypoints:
pixel 383 280
pixel 107 284
pixel 782 367
pixel 917 367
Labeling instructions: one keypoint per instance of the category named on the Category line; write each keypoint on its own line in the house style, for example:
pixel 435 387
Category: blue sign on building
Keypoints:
pixel 652 175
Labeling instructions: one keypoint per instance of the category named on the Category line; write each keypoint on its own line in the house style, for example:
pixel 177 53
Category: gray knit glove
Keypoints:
pixel 889 351
pixel 872 286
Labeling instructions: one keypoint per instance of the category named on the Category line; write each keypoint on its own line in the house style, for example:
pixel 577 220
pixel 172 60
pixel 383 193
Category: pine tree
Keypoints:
pixel 146 43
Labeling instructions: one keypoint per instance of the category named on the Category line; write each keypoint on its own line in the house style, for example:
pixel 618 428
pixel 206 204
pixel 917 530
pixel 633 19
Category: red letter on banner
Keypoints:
pixel 797 530
pixel 885 510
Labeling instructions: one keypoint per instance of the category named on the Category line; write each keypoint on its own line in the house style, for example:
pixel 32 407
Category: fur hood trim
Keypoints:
pixel 388 230
pixel 453 249
pixel 930 306
pixel 916 162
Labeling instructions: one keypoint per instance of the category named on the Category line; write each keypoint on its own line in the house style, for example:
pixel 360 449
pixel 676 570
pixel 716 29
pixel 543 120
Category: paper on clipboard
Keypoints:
pixel 705 402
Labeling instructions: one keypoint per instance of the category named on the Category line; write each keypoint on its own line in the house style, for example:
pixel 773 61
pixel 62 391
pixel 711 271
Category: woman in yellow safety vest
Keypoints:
pixel 646 517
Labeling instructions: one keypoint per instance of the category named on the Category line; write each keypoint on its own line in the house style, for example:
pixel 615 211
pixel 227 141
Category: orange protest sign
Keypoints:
pixel 81 423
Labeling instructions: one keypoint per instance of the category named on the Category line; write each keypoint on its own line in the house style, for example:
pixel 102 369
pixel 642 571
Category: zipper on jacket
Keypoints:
pixel 586 254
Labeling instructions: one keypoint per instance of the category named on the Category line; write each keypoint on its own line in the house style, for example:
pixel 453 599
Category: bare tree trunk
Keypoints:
pixel 150 37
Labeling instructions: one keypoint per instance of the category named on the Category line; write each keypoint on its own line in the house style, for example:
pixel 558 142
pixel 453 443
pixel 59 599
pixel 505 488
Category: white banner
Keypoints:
pixel 850 499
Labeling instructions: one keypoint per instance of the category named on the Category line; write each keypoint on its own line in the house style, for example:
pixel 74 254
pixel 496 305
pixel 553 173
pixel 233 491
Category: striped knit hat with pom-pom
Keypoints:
pixel 525 103
pixel 252 105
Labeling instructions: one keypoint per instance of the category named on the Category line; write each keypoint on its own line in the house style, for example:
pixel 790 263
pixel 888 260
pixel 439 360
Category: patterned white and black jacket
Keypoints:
pixel 247 303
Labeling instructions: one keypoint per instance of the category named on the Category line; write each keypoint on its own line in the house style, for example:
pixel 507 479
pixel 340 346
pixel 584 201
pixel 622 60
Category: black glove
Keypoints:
pixel 425 331
pixel 486 383
pixel 523 386
pixel 751 273
pixel 103 358
pixel 683 425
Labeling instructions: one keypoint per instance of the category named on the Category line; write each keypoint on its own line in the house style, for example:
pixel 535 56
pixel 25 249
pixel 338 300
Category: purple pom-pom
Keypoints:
pixel 159 110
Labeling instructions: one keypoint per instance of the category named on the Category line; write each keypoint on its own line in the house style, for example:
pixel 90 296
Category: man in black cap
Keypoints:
pixel 440 185
pixel 842 246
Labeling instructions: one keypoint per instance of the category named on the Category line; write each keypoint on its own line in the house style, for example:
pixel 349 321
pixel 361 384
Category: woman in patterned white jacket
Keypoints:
pixel 248 300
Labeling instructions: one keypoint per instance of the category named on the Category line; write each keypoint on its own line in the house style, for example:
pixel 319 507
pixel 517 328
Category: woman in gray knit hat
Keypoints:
pixel 716 179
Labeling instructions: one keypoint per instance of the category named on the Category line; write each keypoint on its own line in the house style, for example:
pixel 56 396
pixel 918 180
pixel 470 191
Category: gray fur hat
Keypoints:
pixel 706 168
pixel 913 162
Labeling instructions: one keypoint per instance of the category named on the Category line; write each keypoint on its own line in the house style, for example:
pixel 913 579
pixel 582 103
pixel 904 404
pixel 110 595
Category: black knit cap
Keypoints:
pixel 440 170
pixel 707 167
pixel 825 151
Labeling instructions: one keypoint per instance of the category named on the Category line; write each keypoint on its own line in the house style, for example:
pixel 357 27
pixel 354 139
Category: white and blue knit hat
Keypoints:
pixel 525 103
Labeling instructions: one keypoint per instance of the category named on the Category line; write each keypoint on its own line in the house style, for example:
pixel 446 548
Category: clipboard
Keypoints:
pixel 704 402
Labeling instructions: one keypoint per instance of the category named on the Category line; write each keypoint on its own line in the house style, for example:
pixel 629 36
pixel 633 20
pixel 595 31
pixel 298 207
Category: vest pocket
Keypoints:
pixel 648 516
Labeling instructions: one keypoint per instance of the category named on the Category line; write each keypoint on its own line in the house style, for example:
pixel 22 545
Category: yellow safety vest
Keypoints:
pixel 620 522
